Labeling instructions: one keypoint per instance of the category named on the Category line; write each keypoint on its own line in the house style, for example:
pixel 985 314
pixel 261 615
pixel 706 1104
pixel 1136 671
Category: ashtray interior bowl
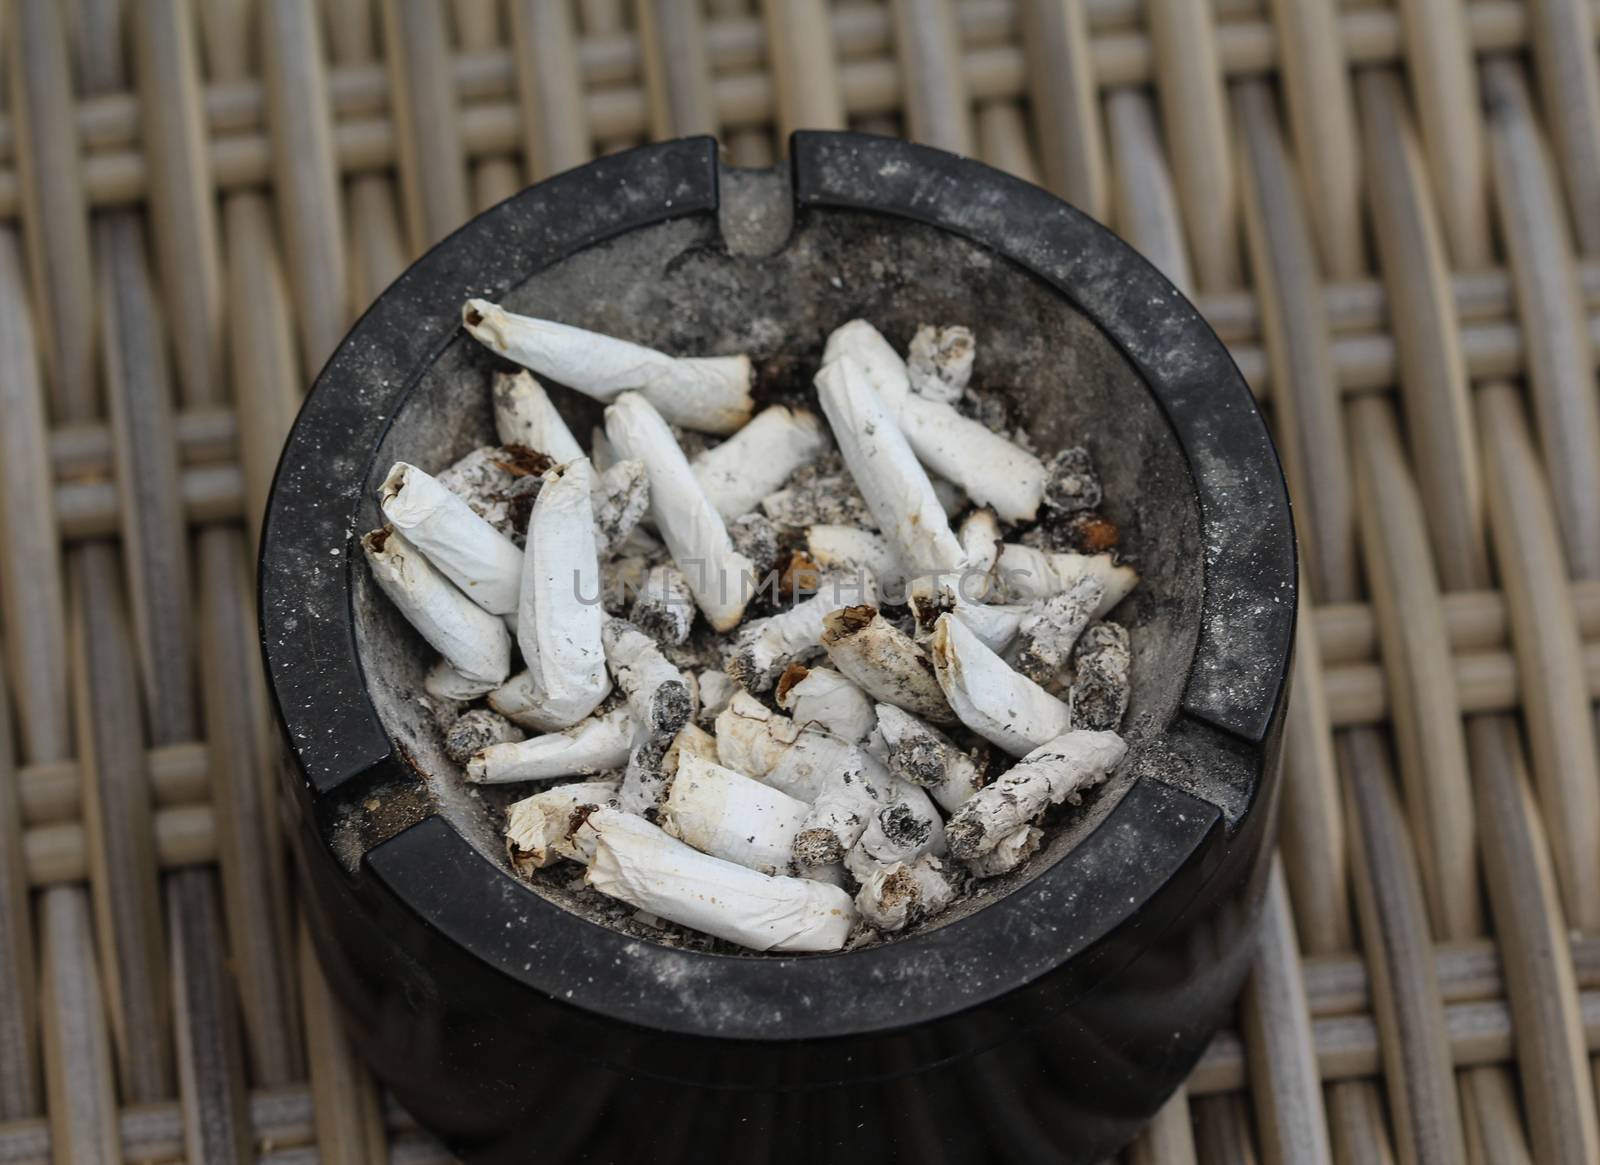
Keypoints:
pixel 1089 346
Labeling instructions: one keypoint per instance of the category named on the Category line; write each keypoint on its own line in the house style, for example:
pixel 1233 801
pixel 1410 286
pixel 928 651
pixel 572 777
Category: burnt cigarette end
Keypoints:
pixel 791 676
pixel 1072 483
pixel 472 317
pixel 845 622
pixel 521 461
pixel 817 847
pixel 1100 685
pixel 476 730
pixel 755 537
pixel 919 760
pixel 671 707
pixel 965 835
pixel 904 827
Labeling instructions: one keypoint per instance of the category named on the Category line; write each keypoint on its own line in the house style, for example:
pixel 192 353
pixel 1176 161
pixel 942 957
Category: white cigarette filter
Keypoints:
pixel 658 695
pixel 769 746
pixel 852 550
pixel 885 662
pixel 621 499
pixel 596 745
pixel 639 864
pixel 1057 771
pixel 939 362
pixel 759 458
pixel 444 682
pixel 474 642
pixel 921 755
pixel 999 704
pixel 896 896
pixel 980 537
pixel 663 608
pixel 893 483
pixel 823 697
pixel 902 830
pixel 1025 574
pixel 524 415
pixel 558 617
pixel 990 469
pixel 711 394
pixel 1050 630
pixel 1100 680
pixel 482 562
pixel 767 646
pixel 731 816
pixel 1011 852
pixel 539 828
pixel 718 575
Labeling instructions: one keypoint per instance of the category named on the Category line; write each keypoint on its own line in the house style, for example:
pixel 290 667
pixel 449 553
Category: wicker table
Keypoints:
pixel 1390 212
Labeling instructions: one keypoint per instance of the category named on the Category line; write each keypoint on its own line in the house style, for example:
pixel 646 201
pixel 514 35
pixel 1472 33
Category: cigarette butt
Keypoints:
pixel 851 549
pixel 1011 852
pixel 772 748
pixel 997 703
pixel 638 863
pixel 1057 771
pixel 444 682
pixel 716 689
pixel 658 695
pixel 718 575
pixel 1073 485
pixel 939 362
pixel 477 729
pixel 767 646
pixel 892 481
pixel 1100 683
pixel 822 697
pixel 903 830
pixel 663 608
pixel 885 662
pixel 1049 632
pixel 711 394
pixel 759 458
pixel 645 779
pixel 559 616
pixel 838 817
pixel 989 468
pixel 596 745
pixel 1025 574
pixel 921 755
pixel 731 816
pixel 980 538
pixel 524 415
pixel 621 498
pixel 482 562
pixel 903 894
pixel 474 642
pixel 539 828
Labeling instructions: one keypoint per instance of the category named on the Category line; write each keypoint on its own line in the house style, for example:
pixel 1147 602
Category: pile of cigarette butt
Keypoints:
pixel 788 681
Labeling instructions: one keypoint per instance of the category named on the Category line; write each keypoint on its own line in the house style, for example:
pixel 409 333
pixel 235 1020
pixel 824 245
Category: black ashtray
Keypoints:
pixel 1045 1022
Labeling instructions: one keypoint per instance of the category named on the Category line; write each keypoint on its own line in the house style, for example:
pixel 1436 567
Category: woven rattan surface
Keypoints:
pixel 1389 209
